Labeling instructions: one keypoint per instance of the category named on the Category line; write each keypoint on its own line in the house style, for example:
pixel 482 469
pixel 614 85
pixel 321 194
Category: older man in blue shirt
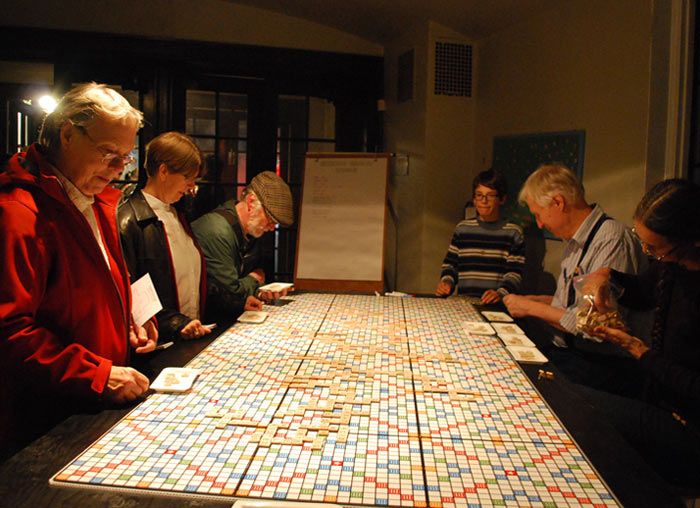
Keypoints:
pixel 593 240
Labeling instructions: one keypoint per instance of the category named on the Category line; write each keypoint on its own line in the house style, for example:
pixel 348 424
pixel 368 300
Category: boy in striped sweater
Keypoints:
pixel 487 253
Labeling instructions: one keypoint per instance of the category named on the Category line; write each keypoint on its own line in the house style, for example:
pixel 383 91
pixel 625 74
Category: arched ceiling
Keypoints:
pixel 381 21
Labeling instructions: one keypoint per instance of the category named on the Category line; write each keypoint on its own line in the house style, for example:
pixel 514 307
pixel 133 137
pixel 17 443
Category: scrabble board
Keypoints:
pixel 352 400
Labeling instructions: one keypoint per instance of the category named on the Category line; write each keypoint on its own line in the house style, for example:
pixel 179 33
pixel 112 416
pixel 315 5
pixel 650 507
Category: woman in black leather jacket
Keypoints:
pixel 157 239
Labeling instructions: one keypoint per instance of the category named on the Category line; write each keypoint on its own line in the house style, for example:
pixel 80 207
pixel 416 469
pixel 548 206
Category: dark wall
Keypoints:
pixel 694 152
pixel 163 69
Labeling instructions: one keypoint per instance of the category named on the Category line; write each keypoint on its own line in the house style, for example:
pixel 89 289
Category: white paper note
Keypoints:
pixel 175 379
pixel 515 339
pixel 144 300
pixel 276 287
pixel 253 316
pixel 527 354
pixel 497 316
pixel 478 327
pixel 341 235
pixel 508 328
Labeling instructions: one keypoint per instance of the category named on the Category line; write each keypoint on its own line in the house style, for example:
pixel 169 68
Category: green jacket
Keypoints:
pixel 229 254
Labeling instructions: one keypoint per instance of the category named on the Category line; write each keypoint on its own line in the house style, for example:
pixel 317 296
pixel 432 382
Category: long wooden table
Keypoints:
pixel 24 477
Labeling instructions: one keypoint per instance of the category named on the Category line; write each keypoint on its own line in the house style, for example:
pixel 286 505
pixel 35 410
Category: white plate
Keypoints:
pixel 524 354
pixel 276 287
pixel 515 339
pixel 497 316
pixel 175 379
pixel 507 328
pixel 478 327
pixel 252 316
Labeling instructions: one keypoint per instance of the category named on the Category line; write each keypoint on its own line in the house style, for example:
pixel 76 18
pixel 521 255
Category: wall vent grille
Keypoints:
pixel 453 69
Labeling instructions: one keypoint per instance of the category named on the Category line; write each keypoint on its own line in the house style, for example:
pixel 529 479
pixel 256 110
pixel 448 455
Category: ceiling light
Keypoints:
pixel 47 103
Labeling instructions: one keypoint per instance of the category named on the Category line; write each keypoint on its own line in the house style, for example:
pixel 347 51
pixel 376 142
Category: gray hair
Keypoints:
pixel 81 106
pixel 548 181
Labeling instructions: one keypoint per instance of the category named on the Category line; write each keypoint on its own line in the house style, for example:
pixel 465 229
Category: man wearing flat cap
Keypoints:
pixel 227 234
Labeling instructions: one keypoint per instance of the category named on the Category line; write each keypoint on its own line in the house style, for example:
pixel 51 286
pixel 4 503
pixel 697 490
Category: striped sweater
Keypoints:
pixel 485 255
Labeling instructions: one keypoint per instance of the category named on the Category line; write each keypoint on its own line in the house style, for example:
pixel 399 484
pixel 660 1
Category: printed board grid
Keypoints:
pixel 354 400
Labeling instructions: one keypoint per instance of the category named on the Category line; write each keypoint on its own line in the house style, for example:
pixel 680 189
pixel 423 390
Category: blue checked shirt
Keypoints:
pixel 613 246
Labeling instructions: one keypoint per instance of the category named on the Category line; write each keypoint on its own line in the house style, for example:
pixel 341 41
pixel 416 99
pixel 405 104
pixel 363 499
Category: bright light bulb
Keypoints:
pixel 47 103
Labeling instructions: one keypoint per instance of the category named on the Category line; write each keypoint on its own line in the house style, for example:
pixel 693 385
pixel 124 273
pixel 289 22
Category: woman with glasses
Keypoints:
pixel 65 307
pixel 663 421
pixel 157 239
pixel 486 256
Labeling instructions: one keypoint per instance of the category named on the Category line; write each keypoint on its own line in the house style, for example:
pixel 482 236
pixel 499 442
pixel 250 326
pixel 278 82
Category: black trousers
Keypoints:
pixel 614 374
pixel 669 445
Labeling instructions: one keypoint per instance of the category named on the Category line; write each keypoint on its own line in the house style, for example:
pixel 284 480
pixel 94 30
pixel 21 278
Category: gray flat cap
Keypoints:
pixel 274 196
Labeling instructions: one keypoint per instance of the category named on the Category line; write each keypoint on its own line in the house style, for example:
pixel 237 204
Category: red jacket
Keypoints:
pixel 64 315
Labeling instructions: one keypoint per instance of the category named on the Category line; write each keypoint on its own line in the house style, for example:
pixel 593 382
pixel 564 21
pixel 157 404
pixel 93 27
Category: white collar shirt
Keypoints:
pixel 184 254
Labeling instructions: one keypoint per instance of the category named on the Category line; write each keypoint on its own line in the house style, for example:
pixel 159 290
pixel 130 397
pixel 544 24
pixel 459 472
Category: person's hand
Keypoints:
pixel 151 330
pixel 194 329
pixel 629 343
pixel 125 384
pixel 258 275
pixel 490 296
pixel 143 338
pixel 252 303
pixel 443 289
pixel 269 296
pixel 517 305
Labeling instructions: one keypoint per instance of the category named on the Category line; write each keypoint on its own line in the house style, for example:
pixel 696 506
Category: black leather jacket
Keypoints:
pixel 146 250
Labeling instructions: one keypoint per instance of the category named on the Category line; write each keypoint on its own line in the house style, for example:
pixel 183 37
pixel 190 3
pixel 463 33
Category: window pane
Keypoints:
pixel 201 113
pixel 232 192
pixel 208 196
pixel 130 173
pixel 291 160
pixel 292 116
pixel 206 145
pixel 232 157
pixel 321 119
pixel 304 123
pixel 233 115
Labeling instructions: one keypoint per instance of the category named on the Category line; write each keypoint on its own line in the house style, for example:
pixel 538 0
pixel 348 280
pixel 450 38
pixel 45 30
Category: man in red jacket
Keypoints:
pixel 66 330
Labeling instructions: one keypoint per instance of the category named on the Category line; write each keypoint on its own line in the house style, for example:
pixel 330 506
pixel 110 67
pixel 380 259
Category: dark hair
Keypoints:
pixel 493 179
pixel 671 208
pixel 177 151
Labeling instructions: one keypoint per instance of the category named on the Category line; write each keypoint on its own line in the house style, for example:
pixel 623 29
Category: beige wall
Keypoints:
pixel 437 132
pixel 583 66
pixel 205 20
pixel 405 133
pixel 450 131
